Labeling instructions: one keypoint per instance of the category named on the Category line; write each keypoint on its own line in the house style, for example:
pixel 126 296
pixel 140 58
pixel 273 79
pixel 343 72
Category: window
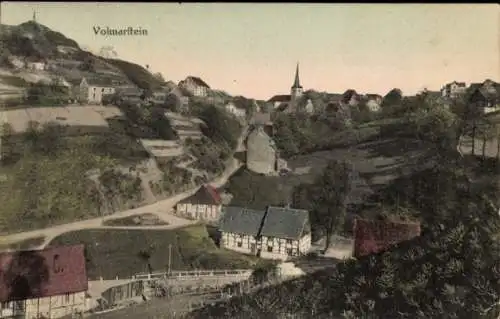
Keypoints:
pixel 66 299
pixel 289 241
pixel 269 249
pixel 240 244
pixel 289 251
pixel 102 90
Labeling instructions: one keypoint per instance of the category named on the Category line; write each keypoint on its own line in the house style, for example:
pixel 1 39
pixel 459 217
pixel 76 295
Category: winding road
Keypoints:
pixel 163 209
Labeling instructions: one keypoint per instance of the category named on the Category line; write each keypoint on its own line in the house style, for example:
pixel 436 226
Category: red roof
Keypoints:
pixel 373 236
pixel 214 194
pixel 42 273
pixel 206 195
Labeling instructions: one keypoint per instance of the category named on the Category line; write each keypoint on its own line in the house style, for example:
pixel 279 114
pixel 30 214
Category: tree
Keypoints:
pixel 88 64
pixel 392 98
pixel 159 76
pixel 328 196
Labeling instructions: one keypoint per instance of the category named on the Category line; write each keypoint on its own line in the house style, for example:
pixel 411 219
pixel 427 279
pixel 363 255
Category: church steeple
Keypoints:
pixel 296 91
pixel 296 83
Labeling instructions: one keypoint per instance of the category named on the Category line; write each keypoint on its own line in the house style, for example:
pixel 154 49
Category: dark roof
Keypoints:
pixel 296 82
pixel 280 98
pixel 198 81
pixel 347 96
pixel 241 220
pixel 98 81
pixel 284 222
pixel 373 96
pixel 206 195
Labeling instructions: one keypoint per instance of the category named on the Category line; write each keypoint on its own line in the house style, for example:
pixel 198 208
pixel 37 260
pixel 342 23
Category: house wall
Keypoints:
pixel 261 155
pixel 245 244
pixel 94 94
pixel 199 212
pixel 282 249
pixel 195 89
pixel 305 244
pixel 50 307
pixel 373 105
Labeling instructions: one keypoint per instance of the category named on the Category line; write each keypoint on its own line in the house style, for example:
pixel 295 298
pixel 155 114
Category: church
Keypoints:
pixel 289 103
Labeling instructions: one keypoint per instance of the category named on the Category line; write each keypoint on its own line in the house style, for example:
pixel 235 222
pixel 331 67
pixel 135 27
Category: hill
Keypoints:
pixel 33 42
pixel 451 271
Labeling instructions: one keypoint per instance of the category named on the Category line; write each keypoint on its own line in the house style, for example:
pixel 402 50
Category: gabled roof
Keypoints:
pixel 348 95
pixel 198 81
pixel 206 195
pixel 98 82
pixel 241 220
pixel 280 98
pixel 373 96
pixel 284 222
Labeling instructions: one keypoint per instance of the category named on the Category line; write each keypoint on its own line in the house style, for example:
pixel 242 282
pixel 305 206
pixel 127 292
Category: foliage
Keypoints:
pixel 211 156
pixel 451 272
pixel 299 133
pixel 137 74
pixel 326 198
pixel 255 191
pixel 47 94
pixel 392 98
pixel 118 185
pixel 220 127
pixel 174 178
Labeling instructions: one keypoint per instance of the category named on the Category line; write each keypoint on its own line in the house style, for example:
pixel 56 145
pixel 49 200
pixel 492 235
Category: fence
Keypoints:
pixel 188 275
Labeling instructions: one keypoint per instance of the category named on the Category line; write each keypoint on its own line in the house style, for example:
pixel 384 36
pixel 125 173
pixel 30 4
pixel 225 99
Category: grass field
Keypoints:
pixel 136 220
pixel 114 253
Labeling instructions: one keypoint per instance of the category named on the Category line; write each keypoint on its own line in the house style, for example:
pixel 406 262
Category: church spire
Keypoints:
pixel 296 83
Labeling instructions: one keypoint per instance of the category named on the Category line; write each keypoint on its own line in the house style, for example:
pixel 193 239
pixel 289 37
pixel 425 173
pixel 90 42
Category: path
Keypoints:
pixel 162 208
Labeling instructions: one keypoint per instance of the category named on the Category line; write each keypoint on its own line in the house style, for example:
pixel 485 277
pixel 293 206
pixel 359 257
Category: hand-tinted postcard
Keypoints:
pixel 237 160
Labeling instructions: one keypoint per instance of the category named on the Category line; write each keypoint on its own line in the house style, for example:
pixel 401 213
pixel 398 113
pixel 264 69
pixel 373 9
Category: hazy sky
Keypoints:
pixel 252 49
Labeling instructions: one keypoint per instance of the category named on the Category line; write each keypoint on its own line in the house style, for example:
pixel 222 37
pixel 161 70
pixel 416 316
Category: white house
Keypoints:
pixel 285 233
pixel 240 228
pixel 277 233
pixel 195 86
pixel 36 66
pixel 238 112
pixel 49 307
pixel 454 89
pixel 92 90
pixel 205 204
pixel 373 102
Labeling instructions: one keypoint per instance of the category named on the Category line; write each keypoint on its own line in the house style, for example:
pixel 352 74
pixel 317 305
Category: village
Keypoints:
pixel 191 240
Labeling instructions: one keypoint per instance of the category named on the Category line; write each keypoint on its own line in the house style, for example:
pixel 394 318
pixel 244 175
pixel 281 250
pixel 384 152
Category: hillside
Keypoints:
pixel 33 42
pixel 451 271
pixel 63 162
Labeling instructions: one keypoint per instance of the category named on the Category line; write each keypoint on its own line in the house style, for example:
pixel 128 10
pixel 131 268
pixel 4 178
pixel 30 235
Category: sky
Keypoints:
pixel 252 49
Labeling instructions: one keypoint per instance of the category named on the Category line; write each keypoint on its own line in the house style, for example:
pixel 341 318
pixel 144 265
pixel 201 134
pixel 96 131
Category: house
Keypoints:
pixel 35 64
pixel 309 107
pixel 351 98
pixel 195 86
pixel 55 287
pixel 485 96
pixel 16 62
pixel 262 154
pixel 205 204
pixel 454 90
pixel 233 109
pixel 373 102
pixel 276 233
pixel 240 229
pixel 92 90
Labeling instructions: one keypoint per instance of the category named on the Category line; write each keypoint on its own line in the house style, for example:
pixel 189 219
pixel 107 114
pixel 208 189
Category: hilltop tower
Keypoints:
pixel 296 91
pixel 34 16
